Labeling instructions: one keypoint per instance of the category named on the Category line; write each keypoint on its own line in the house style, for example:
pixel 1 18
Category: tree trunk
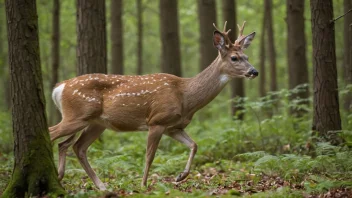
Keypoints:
pixel 347 61
pixel 91 34
pixel 55 53
pixel 139 37
pixel 207 16
pixel 7 86
pixel 34 172
pixel 296 51
pixel 262 77
pixel 171 55
pixel 3 61
pixel 116 37
pixel 237 84
pixel 2 45
pixel 271 45
pixel 326 118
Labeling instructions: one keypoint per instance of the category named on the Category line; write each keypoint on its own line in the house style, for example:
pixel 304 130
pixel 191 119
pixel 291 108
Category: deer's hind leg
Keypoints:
pixel 88 136
pixel 67 127
pixel 63 146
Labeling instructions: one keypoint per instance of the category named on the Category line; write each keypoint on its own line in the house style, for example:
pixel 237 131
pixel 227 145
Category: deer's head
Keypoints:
pixel 234 62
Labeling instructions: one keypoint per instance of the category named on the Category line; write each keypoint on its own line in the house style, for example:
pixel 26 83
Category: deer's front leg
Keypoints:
pixel 181 136
pixel 154 136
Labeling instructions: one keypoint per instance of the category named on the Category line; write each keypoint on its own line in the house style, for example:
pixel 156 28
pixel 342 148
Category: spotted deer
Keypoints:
pixel 162 104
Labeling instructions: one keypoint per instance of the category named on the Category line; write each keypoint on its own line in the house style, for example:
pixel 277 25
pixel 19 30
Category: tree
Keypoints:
pixel 2 64
pixel 3 60
pixel 91 40
pixel 262 77
pixel 34 172
pixel 171 55
pixel 116 37
pixel 237 85
pixel 55 53
pixel 347 61
pixel 296 50
pixel 271 44
pixel 139 37
pixel 207 16
pixel 326 116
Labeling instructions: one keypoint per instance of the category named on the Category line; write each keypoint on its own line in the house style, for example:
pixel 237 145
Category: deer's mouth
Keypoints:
pixel 250 76
pixel 252 73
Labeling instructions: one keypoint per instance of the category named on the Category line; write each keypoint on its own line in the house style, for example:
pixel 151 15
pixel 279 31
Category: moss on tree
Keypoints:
pixel 35 177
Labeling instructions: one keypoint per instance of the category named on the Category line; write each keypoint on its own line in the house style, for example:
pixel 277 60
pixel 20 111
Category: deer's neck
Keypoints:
pixel 204 87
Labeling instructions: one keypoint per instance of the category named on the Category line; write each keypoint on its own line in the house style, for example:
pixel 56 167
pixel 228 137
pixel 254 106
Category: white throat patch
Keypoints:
pixel 224 79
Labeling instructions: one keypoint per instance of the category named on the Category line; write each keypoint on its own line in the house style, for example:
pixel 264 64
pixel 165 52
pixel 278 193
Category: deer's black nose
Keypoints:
pixel 253 72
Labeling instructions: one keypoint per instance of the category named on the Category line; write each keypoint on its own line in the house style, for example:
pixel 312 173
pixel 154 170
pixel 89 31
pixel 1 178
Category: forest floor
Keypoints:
pixel 210 182
pixel 257 177
pixel 259 157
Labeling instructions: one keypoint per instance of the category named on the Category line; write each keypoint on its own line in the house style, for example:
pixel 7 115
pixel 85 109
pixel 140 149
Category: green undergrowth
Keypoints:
pixel 262 156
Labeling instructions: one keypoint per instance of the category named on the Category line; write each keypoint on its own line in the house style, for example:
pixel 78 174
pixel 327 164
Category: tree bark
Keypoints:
pixel 347 61
pixel 91 36
pixel 271 45
pixel 34 172
pixel 262 77
pixel 237 84
pixel 296 51
pixel 326 118
pixel 3 60
pixel 7 86
pixel 55 53
pixel 2 64
pixel 207 16
pixel 171 55
pixel 116 37
pixel 139 37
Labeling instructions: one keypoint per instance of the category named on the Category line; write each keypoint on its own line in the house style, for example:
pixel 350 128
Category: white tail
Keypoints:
pixel 160 103
pixel 57 95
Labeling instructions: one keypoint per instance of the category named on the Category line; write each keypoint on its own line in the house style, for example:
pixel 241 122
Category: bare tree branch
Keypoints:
pixel 337 18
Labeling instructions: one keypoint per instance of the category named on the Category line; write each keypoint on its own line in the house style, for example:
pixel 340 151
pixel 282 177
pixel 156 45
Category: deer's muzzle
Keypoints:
pixel 252 73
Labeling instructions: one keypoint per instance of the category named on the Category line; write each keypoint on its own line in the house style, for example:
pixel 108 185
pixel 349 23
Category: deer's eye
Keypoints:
pixel 234 58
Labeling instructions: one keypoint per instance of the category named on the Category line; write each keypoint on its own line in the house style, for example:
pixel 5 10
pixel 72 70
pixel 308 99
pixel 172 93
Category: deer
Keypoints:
pixel 161 104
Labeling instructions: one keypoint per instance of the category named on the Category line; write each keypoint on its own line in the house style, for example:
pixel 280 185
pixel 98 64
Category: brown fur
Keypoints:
pixel 160 103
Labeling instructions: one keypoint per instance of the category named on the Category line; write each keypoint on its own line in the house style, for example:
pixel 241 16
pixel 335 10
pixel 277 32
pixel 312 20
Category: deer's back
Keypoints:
pixel 123 103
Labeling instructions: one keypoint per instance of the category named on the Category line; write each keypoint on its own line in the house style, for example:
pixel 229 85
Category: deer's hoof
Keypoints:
pixel 144 184
pixel 102 187
pixel 181 176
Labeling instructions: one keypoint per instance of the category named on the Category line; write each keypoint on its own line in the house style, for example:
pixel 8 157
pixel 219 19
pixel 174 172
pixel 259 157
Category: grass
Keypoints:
pixel 258 157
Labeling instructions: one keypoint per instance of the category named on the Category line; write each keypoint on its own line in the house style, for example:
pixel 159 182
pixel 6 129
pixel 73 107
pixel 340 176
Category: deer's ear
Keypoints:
pixel 219 41
pixel 246 41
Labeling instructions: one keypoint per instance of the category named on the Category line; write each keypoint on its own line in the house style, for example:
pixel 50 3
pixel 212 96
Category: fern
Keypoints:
pixel 325 148
pixel 252 156
pixel 267 164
